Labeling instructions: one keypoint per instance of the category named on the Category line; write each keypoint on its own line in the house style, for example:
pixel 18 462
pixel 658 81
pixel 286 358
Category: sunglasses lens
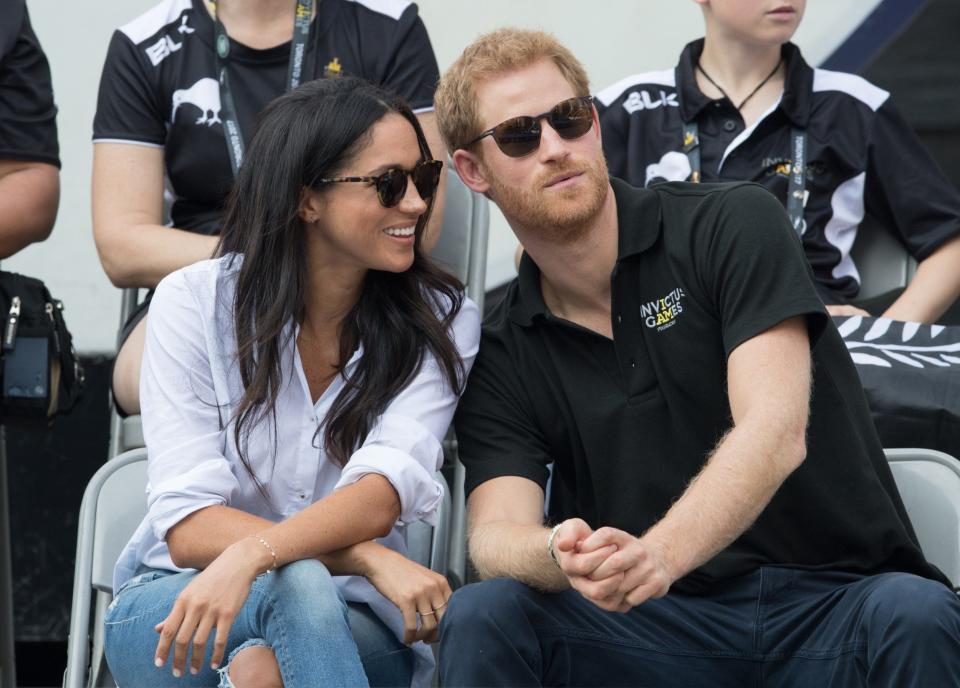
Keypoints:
pixel 518 137
pixel 572 118
pixel 391 186
pixel 426 177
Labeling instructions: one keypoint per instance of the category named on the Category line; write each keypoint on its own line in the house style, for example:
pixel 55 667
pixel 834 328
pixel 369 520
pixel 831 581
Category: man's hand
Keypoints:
pixel 579 565
pixel 645 573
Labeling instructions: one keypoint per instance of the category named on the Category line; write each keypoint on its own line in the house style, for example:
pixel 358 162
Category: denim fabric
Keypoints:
pixel 298 611
pixel 774 628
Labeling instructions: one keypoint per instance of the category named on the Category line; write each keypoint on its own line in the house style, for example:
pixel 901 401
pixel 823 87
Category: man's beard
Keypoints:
pixel 562 216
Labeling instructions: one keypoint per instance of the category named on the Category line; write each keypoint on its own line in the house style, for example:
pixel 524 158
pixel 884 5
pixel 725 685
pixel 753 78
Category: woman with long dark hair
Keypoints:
pixel 295 393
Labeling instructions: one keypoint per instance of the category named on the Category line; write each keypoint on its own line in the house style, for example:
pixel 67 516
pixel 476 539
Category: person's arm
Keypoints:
pixel 29 196
pixel 769 392
pixel 136 250
pixel 908 193
pixel 934 288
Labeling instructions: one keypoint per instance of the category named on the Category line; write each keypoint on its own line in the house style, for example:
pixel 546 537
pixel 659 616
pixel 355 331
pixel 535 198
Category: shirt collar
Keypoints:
pixel 797 93
pixel 638 226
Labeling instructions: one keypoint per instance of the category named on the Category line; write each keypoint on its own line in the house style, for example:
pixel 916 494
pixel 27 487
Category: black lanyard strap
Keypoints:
pixel 797 189
pixel 296 74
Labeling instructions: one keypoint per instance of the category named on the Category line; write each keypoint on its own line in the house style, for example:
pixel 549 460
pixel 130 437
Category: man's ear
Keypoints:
pixel 471 170
pixel 311 205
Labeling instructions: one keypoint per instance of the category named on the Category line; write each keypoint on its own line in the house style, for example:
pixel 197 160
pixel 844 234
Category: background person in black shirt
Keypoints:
pixel 659 349
pixel 159 123
pixel 747 88
pixel 29 154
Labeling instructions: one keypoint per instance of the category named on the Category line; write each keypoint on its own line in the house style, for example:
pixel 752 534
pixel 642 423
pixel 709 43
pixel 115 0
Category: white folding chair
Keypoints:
pixel 462 249
pixel 113 505
pixel 929 484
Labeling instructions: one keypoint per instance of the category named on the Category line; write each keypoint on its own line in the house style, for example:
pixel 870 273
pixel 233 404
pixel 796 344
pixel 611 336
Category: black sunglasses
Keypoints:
pixel 392 184
pixel 519 136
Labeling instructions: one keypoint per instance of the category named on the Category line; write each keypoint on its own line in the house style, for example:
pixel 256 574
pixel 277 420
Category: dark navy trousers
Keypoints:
pixel 776 627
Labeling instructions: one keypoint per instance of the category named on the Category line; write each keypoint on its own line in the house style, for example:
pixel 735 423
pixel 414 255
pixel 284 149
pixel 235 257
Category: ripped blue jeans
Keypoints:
pixel 318 638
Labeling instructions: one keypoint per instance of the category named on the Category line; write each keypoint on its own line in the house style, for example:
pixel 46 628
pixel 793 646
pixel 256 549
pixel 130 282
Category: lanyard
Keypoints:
pixel 295 74
pixel 796 191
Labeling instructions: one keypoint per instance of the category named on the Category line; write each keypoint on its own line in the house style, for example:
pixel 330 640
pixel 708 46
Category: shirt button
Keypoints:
pixel 633 363
pixel 619 319
pixel 303 496
pixel 729 125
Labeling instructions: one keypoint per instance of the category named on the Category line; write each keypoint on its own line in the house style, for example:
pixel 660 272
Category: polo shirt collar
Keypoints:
pixel 638 226
pixel 797 95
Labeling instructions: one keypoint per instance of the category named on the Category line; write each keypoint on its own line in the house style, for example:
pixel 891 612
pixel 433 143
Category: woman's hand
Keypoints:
pixel 211 600
pixel 840 310
pixel 413 588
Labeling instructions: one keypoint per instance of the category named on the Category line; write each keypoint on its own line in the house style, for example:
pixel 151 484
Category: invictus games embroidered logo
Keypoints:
pixel 661 314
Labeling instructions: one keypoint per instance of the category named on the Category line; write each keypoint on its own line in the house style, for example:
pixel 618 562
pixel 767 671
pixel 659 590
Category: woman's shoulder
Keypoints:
pixel 205 283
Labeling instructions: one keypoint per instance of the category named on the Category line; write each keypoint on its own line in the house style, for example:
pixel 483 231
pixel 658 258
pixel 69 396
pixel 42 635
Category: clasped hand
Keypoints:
pixel 611 568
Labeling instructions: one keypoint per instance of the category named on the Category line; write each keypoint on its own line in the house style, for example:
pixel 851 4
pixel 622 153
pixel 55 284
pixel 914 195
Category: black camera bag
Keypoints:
pixel 30 313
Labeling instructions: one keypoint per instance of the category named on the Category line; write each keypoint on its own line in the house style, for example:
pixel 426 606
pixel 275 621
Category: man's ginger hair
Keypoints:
pixel 501 51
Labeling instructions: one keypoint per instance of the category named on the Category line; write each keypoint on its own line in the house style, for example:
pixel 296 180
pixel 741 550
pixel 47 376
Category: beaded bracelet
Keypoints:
pixel 272 551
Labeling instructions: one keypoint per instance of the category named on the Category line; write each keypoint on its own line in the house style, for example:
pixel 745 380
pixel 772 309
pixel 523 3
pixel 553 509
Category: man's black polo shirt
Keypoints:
pixel 863 158
pixel 628 422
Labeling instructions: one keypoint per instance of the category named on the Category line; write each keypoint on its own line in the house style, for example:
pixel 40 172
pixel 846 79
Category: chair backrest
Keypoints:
pixel 462 247
pixel 112 507
pixel 881 259
pixel 929 483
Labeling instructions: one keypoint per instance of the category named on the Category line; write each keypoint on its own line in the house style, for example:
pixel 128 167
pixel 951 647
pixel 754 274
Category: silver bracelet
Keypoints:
pixel 550 551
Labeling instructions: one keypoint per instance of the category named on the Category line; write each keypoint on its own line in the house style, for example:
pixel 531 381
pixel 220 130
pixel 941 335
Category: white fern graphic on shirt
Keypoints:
pixel 860 335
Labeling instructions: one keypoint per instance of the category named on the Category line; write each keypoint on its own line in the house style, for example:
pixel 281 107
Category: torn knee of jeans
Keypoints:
pixel 224 671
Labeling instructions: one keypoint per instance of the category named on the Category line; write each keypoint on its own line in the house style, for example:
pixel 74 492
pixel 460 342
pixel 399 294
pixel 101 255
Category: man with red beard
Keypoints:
pixel 713 522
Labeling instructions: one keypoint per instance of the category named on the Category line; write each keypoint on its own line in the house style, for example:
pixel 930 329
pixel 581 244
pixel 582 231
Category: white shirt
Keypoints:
pixel 189 390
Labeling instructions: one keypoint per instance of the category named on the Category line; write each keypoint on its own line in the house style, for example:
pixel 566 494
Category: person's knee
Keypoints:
pixel 477 609
pixel 254 667
pixel 915 608
pixel 305 589
pixel 126 370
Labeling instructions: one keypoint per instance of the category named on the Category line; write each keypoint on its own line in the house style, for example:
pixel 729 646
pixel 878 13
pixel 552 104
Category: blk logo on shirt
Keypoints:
pixel 642 100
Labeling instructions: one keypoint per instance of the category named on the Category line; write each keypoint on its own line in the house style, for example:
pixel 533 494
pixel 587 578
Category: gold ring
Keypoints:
pixel 427 613
pixel 436 609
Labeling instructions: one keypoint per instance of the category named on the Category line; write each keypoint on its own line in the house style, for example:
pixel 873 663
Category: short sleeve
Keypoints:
pixel 754 269
pixel 497 433
pixel 411 69
pixel 905 189
pixel 28 115
pixel 128 106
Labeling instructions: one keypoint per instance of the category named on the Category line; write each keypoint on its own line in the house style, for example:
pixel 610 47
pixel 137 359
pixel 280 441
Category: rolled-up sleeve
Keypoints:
pixel 186 467
pixel 405 446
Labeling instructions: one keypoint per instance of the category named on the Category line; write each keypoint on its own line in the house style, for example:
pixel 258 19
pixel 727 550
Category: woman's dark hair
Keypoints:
pixel 302 137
